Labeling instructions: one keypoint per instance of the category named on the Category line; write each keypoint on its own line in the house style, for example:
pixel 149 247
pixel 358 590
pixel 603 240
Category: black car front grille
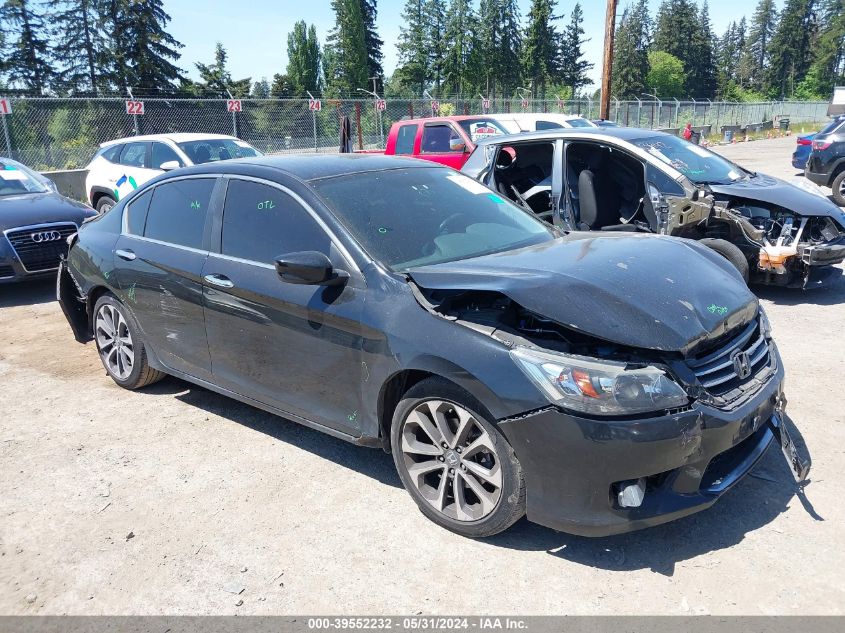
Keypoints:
pixel 6 271
pixel 40 248
pixel 737 368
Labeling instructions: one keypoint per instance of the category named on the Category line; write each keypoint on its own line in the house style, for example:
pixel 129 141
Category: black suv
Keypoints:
pixel 826 165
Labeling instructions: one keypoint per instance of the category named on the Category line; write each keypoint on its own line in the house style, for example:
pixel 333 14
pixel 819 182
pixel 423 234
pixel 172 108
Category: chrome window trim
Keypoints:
pixel 308 208
pixel 27 228
pixel 191 249
pixel 240 260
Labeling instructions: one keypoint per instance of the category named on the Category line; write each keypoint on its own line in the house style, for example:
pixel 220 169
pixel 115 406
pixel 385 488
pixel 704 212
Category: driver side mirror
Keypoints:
pixel 309 268
pixel 169 165
pixel 457 145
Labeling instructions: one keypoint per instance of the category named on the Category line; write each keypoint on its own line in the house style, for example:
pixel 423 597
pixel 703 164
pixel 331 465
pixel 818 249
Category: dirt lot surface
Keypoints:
pixel 176 500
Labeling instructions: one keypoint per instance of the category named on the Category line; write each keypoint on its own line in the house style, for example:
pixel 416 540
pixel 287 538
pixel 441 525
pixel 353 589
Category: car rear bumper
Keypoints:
pixel 573 465
pixel 816 178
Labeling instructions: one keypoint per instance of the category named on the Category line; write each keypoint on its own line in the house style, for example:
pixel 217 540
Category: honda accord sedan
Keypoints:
pixel 399 304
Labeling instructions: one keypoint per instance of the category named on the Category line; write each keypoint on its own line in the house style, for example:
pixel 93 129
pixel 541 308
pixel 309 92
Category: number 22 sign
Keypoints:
pixel 134 107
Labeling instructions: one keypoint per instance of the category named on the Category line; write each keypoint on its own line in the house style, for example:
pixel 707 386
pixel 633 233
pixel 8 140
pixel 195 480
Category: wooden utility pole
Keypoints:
pixel 607 65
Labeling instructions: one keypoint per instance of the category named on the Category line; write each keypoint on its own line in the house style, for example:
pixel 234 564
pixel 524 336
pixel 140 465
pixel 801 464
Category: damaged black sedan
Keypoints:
pixel 630 180
pixel 399 304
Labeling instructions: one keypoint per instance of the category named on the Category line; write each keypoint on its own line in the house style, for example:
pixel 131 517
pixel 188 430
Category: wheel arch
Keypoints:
pixel 97 193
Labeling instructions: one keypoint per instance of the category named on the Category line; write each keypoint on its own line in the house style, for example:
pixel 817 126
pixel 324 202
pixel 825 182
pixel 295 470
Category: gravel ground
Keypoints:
pixel 175 500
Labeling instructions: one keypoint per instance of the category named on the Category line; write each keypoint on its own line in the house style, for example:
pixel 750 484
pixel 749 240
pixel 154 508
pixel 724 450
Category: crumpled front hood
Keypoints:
pixel 645 291
pixel 775 191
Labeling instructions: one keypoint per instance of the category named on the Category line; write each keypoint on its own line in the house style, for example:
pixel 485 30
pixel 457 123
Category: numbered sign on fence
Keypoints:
pixel 485 104
pixel 315 105
pixel 234 105
pixel 381 105
pixel 5 106
pixel 435 107
pixel 525 104
pixel 134 107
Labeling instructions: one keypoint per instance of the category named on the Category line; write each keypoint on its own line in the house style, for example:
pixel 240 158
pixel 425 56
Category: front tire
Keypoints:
pixel 104 204
pixel 838 187
pixel 120 345
pixel 455 464
pixel 731 252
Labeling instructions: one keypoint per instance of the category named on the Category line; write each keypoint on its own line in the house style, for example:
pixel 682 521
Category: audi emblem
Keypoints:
pixel 742 364
pixel 45 236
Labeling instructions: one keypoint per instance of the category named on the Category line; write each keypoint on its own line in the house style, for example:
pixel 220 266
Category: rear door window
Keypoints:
pixel 134 155
pixel 178 211
pixel 261 222
pixel 137 213
pixel 112 154
pixel 405 139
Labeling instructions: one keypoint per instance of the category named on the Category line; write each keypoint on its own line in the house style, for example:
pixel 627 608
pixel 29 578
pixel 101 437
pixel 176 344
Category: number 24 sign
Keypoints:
pixel 134 107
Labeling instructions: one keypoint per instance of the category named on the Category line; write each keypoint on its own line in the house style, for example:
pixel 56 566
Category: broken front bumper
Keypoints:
pixel 573 465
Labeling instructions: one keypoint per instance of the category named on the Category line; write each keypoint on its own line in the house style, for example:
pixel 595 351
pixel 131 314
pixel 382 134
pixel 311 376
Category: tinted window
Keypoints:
pixel 548 125
pixel 436 138
pixel 111 154
pixel 444 216
pixel 663 182
pixel 213 149
pixel 162 154
pixel 178 211
pixel 405 139
pixel 262 222
pixel 137 213
pixel 133 154
pixel 832 126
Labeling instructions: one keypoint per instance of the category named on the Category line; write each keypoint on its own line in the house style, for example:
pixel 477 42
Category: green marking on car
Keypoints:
pixel 714 309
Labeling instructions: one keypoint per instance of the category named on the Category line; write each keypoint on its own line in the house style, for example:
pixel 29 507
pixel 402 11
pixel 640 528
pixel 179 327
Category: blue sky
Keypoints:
pixel 254 32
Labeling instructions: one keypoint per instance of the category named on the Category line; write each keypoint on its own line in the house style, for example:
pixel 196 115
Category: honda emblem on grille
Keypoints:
pixel 45 236
pixel 742 364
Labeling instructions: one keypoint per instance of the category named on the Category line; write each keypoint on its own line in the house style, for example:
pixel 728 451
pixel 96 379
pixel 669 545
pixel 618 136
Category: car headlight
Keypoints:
pixel 599 387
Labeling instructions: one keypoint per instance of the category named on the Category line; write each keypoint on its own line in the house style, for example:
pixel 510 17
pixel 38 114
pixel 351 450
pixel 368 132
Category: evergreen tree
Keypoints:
pixel 373 43
pixel 539 52
pixel 141 52
pixel 216 80
pixel 434 15
pixel 79 44
pixel 675 33
pixel 573 66
pixel 414 61
pixel 828 69
pixel 701 71
pixel 28 61
pixel 755 57
pixel 508 55
pixel 461 46
pixel 347 61
pixel 261 89
pixel 630 51
pixel 791 53
pixel 303 69
pixel 281 88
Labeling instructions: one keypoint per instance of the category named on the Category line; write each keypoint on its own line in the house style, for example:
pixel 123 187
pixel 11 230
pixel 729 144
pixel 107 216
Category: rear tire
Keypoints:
pixel 731 252
pixel 456 465
pixel 838 186
pixel 120 345
pixel 104 204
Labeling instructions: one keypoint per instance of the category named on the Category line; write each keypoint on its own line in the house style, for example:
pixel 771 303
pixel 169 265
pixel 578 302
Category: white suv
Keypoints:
pixel 125 164
pixel 518 122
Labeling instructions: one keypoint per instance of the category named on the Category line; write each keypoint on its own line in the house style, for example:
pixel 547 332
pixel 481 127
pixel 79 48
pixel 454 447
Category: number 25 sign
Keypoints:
pixel 134 107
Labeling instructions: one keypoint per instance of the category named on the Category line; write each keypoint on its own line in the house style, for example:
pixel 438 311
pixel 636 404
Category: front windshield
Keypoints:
pixel 415 217
pixel 696 163
pixel 16 179
pixel 213 149
pixel 478 129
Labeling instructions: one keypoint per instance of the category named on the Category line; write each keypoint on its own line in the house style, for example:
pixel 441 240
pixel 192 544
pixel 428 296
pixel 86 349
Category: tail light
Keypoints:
pixel 804 141
pixel 821 144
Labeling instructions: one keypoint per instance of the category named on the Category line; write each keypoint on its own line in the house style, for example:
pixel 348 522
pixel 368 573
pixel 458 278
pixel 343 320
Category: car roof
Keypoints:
pixel 175 137
pixel 609 133
pixel 536 116
pixel 313 166
pixel 443 119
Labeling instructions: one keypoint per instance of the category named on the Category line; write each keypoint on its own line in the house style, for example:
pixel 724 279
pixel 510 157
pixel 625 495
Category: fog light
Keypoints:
pixel 630 494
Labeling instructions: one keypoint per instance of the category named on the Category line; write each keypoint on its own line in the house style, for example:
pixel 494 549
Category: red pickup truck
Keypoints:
pixel 445 140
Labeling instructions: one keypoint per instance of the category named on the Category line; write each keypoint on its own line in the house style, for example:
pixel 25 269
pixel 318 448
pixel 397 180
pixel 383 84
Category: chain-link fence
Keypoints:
pixel 55 133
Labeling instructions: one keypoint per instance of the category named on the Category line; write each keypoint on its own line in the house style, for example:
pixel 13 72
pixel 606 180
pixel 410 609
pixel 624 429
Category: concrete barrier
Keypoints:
pixel 70 182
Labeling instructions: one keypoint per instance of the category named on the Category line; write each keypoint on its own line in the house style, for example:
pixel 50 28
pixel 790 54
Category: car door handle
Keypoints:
pixel 125 254
pixel 221 281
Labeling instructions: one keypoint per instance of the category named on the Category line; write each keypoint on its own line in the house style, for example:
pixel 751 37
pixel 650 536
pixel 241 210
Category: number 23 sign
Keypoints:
pixel 134 107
